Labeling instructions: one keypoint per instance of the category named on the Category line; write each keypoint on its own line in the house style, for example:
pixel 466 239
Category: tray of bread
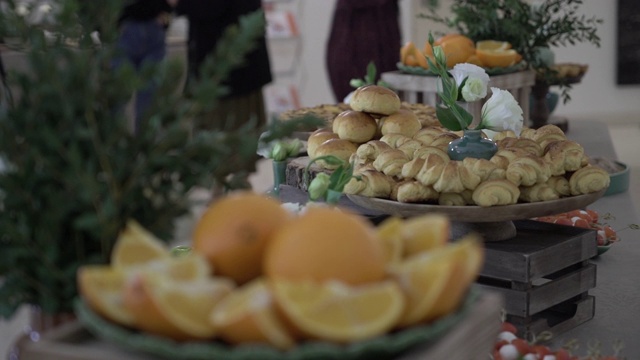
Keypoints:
pixel 403 167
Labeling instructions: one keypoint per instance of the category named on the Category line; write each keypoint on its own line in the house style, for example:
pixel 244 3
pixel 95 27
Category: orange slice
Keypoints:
pixel 136 246
pixel 177 310
pixel 493 45
pixel 390 235
pixel 335 311
pixel 498 58
pixel 425 232
pixel 248 315
pixel 102 287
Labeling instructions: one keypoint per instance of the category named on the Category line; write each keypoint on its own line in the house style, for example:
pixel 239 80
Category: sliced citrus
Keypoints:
pixel 249 315
pixel 335 311
pixel 102 287
pixel 475 60
pixel 498 58
pixel 136 245
pixel 390 235
pixel 425 232
pixel 493 45
pixel 185 268
pixel 177 310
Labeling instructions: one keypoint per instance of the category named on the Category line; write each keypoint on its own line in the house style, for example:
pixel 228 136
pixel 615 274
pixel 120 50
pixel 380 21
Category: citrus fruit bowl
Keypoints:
pixel 387 346
pixel 416 70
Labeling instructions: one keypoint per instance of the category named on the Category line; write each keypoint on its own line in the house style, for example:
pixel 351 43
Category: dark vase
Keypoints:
pixel 472 144
pixel 279 176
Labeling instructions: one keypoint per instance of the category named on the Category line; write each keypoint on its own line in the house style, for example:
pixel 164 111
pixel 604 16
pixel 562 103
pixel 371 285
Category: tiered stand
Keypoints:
pixel 542 270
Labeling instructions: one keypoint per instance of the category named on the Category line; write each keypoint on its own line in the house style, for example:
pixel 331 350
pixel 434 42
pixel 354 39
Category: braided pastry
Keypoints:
pixel 394 140
pixel 456 178
pixel 538 192
pixel 428 134
pixel 560 184
pixel 496 192
pixel 483 168
pixel 504 135
pixel 426 150
pixel 528 170
pixel 409 147
pixel 371 183
pixel 564 156
pixel 442 141
pixel 431 170
pixel 371 149
pixel 526 144
pixel 456 199
pixel 390 162
pixel 413 192
pixel 411 168
pixel 588 179
pixel 548 133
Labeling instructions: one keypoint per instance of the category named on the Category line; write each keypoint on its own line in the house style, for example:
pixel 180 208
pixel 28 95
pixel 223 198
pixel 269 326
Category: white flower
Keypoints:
pixel 475 88
pixel 501 112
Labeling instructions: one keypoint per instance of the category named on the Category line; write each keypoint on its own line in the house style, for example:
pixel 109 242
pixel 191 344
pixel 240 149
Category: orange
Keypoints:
pixel 389 233
pixel 493 45
pixel 337 312
pixel 102 287
pixel 136 246
pixel 498 58
pixel 249 315
pixel 475 60
pixel 425 232
pixel 177 310
pixel 234 232
pixel 326 243
pixel 411 56
pixel 459 38
pixel 457 51
pixel 435 281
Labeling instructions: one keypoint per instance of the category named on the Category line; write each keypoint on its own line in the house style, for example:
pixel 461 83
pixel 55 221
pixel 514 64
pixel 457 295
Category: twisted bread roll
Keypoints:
pixel 428 134
pixel 370 183
pixel 526 144
pixel 564 156
pixel 431 169
pixel 588 179
pixel 413 192
pixel 409 147
pixel 355 126
pixel 390 162
pixel 360 164
pixel 371 149
pixel 394 140
pixel 528 170
pixel 548 133
pixel 340 148
pixel 442 141
pixel 426 150
pixel 527 133
pixel 503 157
pixel 318 137
pixel 411 168
pixel 538 192
pixel 560 184
pixel 496 192
pixel 483 168
pixel 456 199
pixel 504 135
pixel 404 122
pixel 455 178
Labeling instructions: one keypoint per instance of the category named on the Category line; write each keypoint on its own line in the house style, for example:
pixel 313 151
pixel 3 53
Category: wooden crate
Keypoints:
pixel 544 275
pixel 423 89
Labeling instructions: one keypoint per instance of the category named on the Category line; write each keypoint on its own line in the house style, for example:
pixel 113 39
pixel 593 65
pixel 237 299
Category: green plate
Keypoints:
pixel 416 70
pixel 388 346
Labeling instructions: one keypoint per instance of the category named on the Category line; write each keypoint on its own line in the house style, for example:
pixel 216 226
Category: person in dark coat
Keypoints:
pixel 362 31
pixel 208 20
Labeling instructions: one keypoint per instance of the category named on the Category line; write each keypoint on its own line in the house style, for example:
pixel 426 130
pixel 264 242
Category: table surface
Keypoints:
pixel 617 291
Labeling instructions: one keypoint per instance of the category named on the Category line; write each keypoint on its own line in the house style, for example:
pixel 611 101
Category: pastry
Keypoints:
pixel 426 135
pixel 538 192
pixel 504 135
pixel 547 133
pixel 588 179
pixel 375 99
pixel 412 191
pixel 403 122
pixel 442 141
pixel 483 168
pixel 411 168
pixel 564 156
pixel 355 126
pixel 528 170
pixel 340 148
pixel 456 199
pixel 496 192
pixel 424 151
pixel 456 178
pixel 526 144
pixel 395 140
pixel 371 149
pixel 369 183
pixel 318 137
pixel 431 169
pixel 560 184
pixel 409 147
pixel 390 162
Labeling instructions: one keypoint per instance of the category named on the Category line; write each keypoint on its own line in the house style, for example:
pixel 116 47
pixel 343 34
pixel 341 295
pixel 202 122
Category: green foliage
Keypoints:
pixel 74 171
pixel 528 28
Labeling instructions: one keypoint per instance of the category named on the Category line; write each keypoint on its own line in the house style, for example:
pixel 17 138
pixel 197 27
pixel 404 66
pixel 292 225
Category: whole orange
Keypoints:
pixel 326 244
pixel 234 231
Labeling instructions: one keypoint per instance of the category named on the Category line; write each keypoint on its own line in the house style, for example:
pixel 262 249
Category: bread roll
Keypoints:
pixel 413 192
pixel 390 162
pixel 409 147
pixel 528 170
pixel 411 168
pixel 560 184
pixel 375 99
pixel 355 126
pixel 588 179
pixel 369 183
pixel 424 151
pixel 496 192
pixel 431 170
pixel 564 156
pixel 426 135
pixel 403 122
pixel 395 140
pixel 371 149
pixel 483 168
pixel 442 141
pixel 340 148
pixel 318 137
pixel 456 199
pixel 526 144
pixel 538 192
pixel 456 178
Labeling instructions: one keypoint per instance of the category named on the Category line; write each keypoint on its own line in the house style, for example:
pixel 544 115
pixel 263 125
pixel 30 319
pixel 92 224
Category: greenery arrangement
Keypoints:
pixel 532 29
pixel 75 173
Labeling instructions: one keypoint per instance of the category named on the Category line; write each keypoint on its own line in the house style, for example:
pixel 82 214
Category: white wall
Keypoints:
pixel 598 97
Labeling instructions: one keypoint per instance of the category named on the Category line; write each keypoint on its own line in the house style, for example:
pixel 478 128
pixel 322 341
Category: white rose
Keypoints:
pixel 475 88
pixel 501 112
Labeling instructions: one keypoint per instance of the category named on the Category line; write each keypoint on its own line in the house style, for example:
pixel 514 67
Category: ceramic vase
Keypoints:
pixel 472 144
pixel 279 176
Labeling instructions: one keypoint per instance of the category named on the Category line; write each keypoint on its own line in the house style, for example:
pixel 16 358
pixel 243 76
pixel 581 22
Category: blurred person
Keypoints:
pixel 208 20
pixel 142 40
pixel 362 31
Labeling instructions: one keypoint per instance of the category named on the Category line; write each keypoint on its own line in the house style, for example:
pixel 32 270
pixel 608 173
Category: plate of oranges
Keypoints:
pixel 260 282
